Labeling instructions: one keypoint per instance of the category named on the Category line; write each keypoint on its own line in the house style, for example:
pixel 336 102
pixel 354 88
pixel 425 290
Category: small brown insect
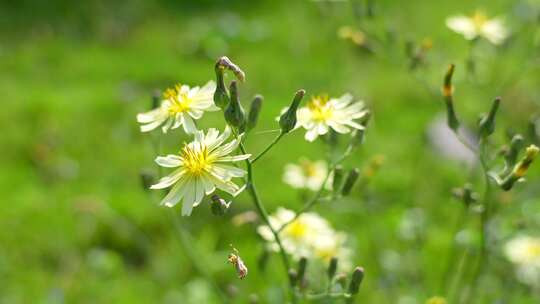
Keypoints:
pixel 239 266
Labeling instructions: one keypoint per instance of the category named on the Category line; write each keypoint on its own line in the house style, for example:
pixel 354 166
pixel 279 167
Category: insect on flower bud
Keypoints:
pixel 219 206
pixel 487 123
pixel 234 113
pixel 521 168
pixel 356 280
pixel 287 121
pixel 302 265
pixel 239 266
pixel 332 268
pixel 254 110
pixel 448 93
pixel 349 181
pixel 337 180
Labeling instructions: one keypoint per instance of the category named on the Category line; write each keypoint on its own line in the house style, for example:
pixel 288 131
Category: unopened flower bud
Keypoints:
pixel 234 113
pixel 487 123
pixel 147 179
pixel 219 206
pixel 521 168
pixel 356 280
pixel 254 110
pixel 332 268
pixel 337 179
pixel 156 99
pixel 349 181
pixel 221 96
pixel 341 279
pixel 288 120
pixel 293 277
pixel 239 266
pixel 302 265
pixel 262 261
pixel 515 146
pixel 448 93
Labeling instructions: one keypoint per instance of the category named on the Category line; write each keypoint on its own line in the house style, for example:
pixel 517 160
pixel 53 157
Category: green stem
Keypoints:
pixel 275 141
pixel 484 220
pixel 453 251
pixel 264 215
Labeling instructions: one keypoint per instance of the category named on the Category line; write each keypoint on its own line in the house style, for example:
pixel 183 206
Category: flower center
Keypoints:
pixel 533 251
pixel 296 229
pixel 479 20
pixel 180 102
pixel 196 161
pixel 320 109
pixel 308 168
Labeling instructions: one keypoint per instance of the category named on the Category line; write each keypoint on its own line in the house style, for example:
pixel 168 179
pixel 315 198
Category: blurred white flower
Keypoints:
pixel 181 106
pixel 201 169
pixel 412 224
pixel 308 174
pixel 322 113
pixel 524 251
pixel 478 25
pixel 309 236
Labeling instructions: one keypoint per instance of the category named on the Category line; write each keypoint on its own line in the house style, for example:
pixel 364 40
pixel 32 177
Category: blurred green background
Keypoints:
pixel 76 225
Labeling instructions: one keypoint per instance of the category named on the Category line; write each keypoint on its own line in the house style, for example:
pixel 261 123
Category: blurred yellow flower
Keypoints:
pixel 355 36
pixel 309 236
pixel 436 300
pixel 180 107
pixel 524 251
pixel 478 25
pixel 200 169
pixel 322 113
pixel 308 174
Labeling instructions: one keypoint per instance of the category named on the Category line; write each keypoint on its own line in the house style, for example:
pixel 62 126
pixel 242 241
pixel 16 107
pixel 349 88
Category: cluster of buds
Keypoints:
pixel 298 278
pixel 513 171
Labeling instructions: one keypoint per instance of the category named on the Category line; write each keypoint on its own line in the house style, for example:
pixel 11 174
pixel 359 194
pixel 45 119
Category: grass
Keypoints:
pixel 77 226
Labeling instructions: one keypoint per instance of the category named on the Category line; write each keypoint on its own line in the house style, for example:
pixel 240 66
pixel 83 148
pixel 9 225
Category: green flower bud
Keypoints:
pixel 356 280
pixel 515 146
pixel 337 178
pixel 341 279
pixel 521 168
pixel 302 265
pixel 349 181
pixel 221 96
pixel 487 123
pixel 288 120
pixel 234 113
pixel 147 179
pixel 448 93
pixel 156 99
pixel 332 268
pixel 254 110
pixel 293 277
pixel 219 206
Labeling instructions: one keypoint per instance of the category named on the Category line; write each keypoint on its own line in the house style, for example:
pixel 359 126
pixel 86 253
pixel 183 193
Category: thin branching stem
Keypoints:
pixel 275 141
pixel 252 190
